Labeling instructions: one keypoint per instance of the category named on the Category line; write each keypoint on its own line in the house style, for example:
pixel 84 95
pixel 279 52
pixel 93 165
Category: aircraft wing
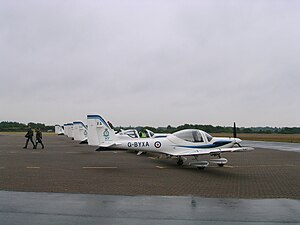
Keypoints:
pixel 208 151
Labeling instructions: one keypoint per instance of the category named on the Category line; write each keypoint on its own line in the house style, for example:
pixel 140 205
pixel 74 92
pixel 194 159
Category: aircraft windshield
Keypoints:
pixel 208 136
pixel 131 133
pixel 189 135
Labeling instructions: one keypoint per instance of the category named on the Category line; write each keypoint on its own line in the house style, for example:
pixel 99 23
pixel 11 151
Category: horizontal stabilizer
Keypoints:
pixel 84 142
pixel 108 146
pixel 102 149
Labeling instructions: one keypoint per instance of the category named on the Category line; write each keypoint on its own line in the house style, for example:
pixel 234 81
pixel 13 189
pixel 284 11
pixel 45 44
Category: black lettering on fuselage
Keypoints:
pixel 139 144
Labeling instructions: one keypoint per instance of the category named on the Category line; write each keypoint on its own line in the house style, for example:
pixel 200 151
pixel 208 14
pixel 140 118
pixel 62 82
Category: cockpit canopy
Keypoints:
pixel 192 135
pixel 130 133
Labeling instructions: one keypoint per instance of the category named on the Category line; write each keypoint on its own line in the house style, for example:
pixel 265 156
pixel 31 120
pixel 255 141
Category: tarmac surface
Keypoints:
pixel 68 167
pixel 68 183
pixel 294 147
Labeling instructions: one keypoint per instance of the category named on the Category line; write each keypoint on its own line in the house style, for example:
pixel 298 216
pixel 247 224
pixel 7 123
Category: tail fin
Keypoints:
pixel 66 129
pixel 56 129
pixel 99 131
pixel 80 131
pixel 69 129
pixel 59 129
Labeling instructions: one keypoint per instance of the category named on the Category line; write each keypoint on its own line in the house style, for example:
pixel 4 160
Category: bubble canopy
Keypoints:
pixel 193 135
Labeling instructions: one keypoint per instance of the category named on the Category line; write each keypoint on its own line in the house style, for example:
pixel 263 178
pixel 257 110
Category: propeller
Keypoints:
pixel 234 134
pixel 234 130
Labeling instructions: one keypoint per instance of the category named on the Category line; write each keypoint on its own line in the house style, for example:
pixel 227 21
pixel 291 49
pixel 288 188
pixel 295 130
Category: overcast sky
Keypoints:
pixel 151 62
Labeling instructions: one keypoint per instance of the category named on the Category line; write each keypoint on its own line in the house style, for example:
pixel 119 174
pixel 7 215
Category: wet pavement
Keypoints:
pixel 294 147
pixel 28 208
pixel 67 183
pixel 65 166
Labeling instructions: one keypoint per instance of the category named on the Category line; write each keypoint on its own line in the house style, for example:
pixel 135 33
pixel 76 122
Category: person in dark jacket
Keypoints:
pixel 29 136
pixel 39 138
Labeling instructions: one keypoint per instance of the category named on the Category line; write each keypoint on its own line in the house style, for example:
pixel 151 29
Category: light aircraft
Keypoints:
pixel 80 132
pixel 181 144
pixel 59 130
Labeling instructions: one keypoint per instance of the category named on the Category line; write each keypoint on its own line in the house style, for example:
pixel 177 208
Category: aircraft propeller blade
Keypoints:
pixel 234 130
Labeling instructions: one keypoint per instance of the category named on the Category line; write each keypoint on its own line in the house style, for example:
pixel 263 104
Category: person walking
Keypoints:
pixel 38 138
pixel 29 136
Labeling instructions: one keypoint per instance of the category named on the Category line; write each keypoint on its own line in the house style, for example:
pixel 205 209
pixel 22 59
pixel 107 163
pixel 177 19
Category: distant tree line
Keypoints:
pixel 220 129
pixel 15 126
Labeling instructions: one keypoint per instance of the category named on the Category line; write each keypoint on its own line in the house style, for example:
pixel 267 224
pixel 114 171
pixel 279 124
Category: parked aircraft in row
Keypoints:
pixel 180 145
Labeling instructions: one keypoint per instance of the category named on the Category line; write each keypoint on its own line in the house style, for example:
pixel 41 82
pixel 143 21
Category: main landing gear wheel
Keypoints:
pixel 201 167
pixel 220 165
pixel 179 162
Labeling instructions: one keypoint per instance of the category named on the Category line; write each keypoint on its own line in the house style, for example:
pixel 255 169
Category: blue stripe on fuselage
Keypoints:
pixel 213 145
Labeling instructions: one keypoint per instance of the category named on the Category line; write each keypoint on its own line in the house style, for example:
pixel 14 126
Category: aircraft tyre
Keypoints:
pixel 220 165
pixel 179 162
pixel 201 167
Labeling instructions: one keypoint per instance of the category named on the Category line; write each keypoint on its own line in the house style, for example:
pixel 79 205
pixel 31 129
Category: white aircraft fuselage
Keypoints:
pixel 189 142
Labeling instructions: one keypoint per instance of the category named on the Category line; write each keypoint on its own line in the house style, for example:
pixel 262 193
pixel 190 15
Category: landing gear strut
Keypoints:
pixel 219 161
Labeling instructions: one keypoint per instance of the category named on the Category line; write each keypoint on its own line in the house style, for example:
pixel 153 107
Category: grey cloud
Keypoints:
pixel 151 62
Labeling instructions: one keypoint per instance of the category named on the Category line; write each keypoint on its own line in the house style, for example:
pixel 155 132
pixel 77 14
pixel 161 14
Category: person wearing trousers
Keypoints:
pixel 29 136
pixel 39 138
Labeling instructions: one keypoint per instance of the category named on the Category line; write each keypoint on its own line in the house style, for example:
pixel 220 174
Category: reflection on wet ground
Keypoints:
pixel 57 208
pixel 294 147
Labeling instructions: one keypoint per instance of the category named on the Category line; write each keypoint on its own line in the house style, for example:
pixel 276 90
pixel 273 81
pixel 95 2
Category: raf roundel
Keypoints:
pixel 106 133
pixel 157 144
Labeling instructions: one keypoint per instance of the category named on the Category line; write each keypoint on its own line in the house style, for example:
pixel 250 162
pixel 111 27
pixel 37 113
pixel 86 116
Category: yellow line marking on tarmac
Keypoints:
pixel 160 167
pixel 99 167
pixel 33 167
